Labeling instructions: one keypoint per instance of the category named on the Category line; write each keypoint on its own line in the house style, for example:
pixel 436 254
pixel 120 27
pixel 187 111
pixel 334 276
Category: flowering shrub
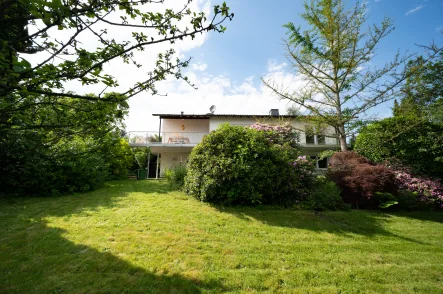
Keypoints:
pixel 234 165
pixel 428 191
pixel 283 134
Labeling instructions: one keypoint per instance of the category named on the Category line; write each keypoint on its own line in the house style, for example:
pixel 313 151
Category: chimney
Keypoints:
pixel 274 113
pixel 182 112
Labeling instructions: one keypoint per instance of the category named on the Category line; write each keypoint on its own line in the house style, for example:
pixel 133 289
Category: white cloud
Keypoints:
pixel 199 66
pixel 414 10
pixel 274 66
pixel 248 96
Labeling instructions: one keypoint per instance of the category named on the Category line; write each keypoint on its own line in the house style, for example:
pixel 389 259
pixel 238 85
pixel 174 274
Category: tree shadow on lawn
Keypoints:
pixel 37 258
pixel 40 260
pixel 359 222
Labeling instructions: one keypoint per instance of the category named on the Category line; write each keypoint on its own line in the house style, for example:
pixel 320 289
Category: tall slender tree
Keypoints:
pixel 332 58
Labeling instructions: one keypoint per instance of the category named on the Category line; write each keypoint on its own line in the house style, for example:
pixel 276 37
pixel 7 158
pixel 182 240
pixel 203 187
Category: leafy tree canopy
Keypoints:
pixel 25 27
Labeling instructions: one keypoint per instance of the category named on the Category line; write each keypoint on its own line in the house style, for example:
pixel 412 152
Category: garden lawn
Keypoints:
pixel 140 237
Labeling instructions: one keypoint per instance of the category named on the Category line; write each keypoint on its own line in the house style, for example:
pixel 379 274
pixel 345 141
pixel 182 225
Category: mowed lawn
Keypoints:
pixel 141 237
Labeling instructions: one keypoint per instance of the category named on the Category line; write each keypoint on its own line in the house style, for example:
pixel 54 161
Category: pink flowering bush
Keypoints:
pixel 428 191
pixel 283 134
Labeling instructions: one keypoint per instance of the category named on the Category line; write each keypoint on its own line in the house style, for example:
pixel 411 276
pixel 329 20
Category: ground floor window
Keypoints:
pixel 319 163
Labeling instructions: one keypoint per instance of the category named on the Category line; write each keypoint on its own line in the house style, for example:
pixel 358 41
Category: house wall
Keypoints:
pixel 194 129
pixel 168 159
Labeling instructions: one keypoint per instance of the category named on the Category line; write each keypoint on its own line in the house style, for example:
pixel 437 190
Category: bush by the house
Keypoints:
pixel 426 191
pixel 175 175
pixel 415 143
pixel 359 179
pixel 234 165
pixel 325 195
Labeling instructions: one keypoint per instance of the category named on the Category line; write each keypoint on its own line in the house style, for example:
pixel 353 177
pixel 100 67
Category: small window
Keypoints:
pixel 323 163
pixel 321 139
pixel 310 139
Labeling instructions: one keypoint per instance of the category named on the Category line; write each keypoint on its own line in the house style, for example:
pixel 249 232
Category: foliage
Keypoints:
pixel 423 91
pixel 333 57
pixel 49 160
pixel 234 165
pixel 325 195
pixel 25 86
pixel 141 157
pixel 283 134
pixel 175 175
pixel 385 200
pixel 119 157
pixel 359 179
pixel 68 166
pixel 411 142
pixel 40 115
pixel 408 200
pixel 427 191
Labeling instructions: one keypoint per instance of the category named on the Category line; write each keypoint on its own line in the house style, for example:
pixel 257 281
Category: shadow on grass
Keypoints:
pixel 37 258
pixel 359 222
pixel 42 261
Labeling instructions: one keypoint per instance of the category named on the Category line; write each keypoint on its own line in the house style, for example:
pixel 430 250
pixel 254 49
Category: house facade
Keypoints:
pixel 177 134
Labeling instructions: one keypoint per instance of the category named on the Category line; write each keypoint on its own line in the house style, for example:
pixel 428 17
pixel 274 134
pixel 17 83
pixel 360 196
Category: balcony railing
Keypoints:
pixel 153 138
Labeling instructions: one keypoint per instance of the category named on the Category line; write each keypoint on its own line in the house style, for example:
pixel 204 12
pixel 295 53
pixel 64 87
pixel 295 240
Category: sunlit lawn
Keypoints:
pixel 140 237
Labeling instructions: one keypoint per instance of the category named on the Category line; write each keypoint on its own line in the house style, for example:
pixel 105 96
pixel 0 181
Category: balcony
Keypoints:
pixel 166 138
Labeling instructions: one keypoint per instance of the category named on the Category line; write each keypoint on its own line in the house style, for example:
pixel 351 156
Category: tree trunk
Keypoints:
pixel 342 138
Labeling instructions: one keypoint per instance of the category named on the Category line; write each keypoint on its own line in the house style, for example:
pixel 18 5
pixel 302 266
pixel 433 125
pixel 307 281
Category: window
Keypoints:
pixel 310 137
pixel 323 163
pixel 321 139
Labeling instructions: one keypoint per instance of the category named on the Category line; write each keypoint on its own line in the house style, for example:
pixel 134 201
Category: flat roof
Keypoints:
pixel 209 115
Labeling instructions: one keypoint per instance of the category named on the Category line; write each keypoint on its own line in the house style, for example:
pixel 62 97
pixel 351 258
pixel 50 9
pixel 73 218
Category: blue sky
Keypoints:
pixel 255 34
pixel 227 67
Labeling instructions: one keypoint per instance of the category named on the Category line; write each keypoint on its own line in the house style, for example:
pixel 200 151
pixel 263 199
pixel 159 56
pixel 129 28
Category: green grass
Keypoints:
pixel 140 237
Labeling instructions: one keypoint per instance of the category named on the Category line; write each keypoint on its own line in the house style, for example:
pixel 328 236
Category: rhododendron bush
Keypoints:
pixel 428 191
pixel 261 164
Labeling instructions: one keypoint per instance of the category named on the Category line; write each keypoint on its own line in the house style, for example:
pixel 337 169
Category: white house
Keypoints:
pixel 178 133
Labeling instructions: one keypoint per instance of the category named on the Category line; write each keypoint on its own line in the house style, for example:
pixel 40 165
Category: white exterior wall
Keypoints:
pixel 193 129
pixel 168 159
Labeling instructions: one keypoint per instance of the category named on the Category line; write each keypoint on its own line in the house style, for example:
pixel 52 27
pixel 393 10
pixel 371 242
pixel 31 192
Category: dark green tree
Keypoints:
pixel 423 90
pixel 412 142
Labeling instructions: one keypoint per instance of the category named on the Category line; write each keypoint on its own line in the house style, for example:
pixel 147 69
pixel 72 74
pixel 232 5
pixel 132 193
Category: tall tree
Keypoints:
pixel 423 90
pixel 332 58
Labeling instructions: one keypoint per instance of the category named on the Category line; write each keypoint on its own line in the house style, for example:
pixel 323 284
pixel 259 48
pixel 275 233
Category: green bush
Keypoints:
pixel 325 195
pixel 175 175
pixel 411 142
pixel 234 165
pixel 408 200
